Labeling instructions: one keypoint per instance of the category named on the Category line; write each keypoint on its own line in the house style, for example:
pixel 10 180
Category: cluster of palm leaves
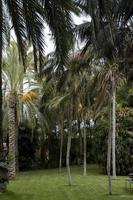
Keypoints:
pixel 108 33
pixel 74 86
pixel 28 19
pixel 20 98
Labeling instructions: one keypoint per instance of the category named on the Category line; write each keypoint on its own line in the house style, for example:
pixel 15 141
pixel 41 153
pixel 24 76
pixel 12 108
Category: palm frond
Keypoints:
pixel 125 11
pixel 13 70
pixel 58 17
pixel 15 9
pixel 33 12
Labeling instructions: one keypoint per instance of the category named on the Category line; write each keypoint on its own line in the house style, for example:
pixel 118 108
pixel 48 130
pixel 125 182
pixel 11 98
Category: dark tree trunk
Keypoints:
pixel 1 132
pixel 3 169
pixel 61 141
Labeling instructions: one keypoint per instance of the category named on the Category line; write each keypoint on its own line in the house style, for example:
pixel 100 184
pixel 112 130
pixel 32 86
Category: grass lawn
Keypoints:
pixel 50 185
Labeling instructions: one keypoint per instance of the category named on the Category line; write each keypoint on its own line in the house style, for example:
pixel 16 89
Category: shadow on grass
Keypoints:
pixel 91 170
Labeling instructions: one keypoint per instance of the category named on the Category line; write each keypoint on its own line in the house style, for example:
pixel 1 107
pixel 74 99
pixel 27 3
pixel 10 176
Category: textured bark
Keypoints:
pixel 109 150
pixel 61 142
pixel 113 127
pixel 3 170
pixel 16 125
pixel 1 132
pixel 12 134
pixel 85 169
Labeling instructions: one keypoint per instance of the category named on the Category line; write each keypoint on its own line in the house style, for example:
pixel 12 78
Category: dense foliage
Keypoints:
pixel 69 107
pixel 124 141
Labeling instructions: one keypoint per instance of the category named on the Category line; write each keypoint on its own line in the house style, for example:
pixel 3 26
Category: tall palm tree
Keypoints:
pixel 108 87
pixel 106 32
pixel 13 74
pixel 16 84
pixel 72 92
pixel 105 92
pixel 81 74
pixel 27 19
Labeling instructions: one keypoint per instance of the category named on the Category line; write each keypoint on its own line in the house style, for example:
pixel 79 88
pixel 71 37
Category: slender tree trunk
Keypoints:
pixel 85 169
pixel 68 159
pixel 80 143
pixel 12 134
pixel 69 146
pixel 113 127
pixel 61 142
pixel 109 150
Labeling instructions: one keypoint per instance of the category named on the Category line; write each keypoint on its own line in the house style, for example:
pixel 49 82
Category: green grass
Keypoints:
pixel 50 185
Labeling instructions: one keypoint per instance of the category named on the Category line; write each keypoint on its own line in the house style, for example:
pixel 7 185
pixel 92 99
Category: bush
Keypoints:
pixel 27 146
pixel 124 142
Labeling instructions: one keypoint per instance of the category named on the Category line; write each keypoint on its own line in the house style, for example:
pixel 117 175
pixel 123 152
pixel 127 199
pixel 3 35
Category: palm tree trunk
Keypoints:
pixel 1 131
pixel 109 151
pixel 16 124
pixel 3 170
pixel 113 127
pixel 85 170
pixel 69 147
pixel 1 44
pixel 12 134
pixel 68 160
pixel 61 142
pixel 80 143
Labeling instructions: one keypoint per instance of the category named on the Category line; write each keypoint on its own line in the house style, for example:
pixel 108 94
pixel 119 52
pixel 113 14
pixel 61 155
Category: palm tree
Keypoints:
pixel 106 34
pixel 82 74
pixel 27 19
pixel 72 89
pixel 16 84
pixel 105 92
pixel 13 73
